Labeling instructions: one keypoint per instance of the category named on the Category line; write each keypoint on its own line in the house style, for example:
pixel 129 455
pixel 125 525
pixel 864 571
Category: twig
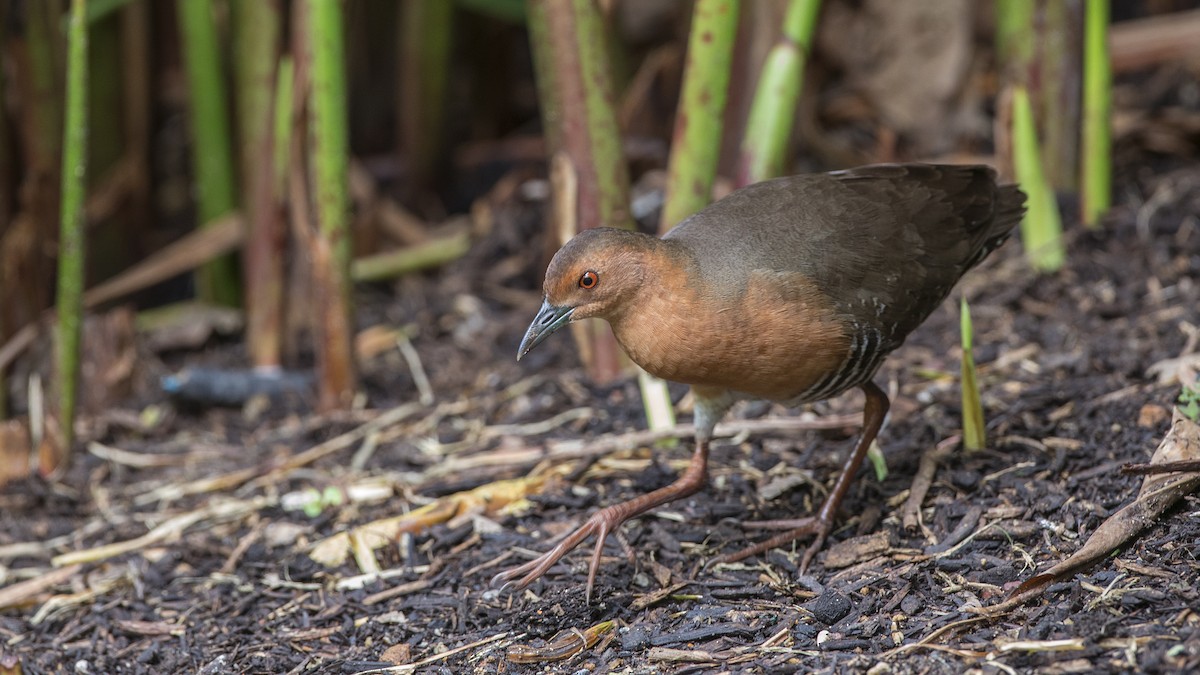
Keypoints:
pixel 1145 42
pixel 309 456
pixel 410 667
pixel 927 641
pixel 135 459
pixel 172 527
pixel 1145 468
pixel 578 449
pixel 243 545
pixel 424 391
pixel 20 593
pixel 911 511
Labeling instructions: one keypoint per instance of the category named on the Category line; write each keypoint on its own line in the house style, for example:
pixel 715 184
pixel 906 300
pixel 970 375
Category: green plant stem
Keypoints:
pixel 590 178
pixel 211 144
pixel 974 431
pixel 283 122
pixel 1040 46
pixel 1041 228
pixel 696 143
pixel 72 231
pixel 257 28
pixel 773 111
pixel 1096 163
pixel 431 253
pixel 331 253
pixel 427 26
pixel 575 92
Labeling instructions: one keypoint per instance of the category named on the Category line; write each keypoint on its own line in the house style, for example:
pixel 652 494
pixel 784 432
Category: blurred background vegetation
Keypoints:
pixel 266 155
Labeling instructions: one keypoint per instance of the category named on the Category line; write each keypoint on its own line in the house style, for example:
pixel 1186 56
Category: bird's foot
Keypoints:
pixel 815 526
pixel 601 524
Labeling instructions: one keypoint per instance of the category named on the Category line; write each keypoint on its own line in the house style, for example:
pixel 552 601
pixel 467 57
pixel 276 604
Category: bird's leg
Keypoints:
pixel 608 519
pixel 822 523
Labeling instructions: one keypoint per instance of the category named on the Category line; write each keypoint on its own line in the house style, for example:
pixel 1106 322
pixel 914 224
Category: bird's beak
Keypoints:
pixel 549 319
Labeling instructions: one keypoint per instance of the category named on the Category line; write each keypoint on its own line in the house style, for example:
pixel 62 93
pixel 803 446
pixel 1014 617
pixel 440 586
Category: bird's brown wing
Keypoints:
pixel 885 243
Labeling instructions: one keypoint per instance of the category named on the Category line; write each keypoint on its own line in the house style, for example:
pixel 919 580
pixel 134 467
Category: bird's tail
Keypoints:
pixel 1010 207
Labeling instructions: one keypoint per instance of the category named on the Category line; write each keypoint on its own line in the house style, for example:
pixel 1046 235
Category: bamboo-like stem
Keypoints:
pixel 283 123
pixel 696 143
pixel 1041 228
pixel 331 244
pixel 98 10
pixel 112 243
pixel 974 431
pixel 578 113
pixel 257 27
pixel 1040 46
pixel 37 81
pixel 773 111
pixel 211 144
pixel 426 30
pixel 136 106
pixel 431 253
pixel 72 237
pixel 1096 163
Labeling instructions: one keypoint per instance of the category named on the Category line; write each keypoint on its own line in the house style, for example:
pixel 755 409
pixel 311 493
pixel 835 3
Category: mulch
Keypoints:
pixel 214 516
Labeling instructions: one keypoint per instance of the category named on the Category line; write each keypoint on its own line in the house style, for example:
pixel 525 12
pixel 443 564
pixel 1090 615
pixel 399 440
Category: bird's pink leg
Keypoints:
pixel 822 523
pixel 608 519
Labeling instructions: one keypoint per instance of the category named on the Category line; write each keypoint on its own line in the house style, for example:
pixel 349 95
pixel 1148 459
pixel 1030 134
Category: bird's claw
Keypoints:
pixel 601 524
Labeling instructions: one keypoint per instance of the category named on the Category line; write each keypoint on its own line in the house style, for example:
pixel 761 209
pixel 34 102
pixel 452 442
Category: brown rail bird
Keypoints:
pixel 790 290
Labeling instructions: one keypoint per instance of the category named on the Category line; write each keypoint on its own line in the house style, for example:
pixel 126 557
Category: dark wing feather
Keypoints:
pixel 885 243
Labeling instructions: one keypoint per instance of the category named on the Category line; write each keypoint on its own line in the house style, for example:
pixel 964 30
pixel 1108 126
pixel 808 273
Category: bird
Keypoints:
pixel 791 290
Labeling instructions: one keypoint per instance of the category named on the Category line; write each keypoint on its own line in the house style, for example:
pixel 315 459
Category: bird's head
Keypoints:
pixel 594 275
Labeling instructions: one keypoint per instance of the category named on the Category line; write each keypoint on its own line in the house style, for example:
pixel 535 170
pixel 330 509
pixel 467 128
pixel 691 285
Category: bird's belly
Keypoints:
pixel 773 374
pixel 773 358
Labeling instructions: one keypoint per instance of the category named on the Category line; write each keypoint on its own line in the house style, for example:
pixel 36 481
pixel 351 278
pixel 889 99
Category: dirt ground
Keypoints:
pixel 185 546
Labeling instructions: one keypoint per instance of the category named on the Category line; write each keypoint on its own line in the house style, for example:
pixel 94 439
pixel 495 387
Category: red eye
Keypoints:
pixel 589 280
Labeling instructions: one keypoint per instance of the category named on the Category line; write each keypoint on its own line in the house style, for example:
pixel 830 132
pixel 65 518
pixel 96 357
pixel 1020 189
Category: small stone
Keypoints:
pixel 829 608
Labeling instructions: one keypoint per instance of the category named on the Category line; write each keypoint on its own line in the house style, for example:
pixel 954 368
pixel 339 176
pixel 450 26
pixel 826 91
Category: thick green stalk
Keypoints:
pixel 282 124
pixel 136 108
pixel 1096 163
pixel 579 117
pixel 1041 228
pixel 1013 19
pixel 974 431
pixel 427 26
pixel 427 254
pixel 37 80
pixel 575 91
pixel 98 10
pixel 72 232
pixel 1040 46
pixel 211 154
pixel 696 143
pixel 773 112
pixel 695 148
pixel 110 241
pixel 256 34
pixel 512 11
pixel 329 162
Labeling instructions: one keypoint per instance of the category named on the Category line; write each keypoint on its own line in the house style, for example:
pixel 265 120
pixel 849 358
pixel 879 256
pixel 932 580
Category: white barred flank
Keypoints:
pixel 867 350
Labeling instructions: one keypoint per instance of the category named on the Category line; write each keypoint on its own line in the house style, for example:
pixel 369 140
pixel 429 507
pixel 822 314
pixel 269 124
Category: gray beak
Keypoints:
pixel 549 319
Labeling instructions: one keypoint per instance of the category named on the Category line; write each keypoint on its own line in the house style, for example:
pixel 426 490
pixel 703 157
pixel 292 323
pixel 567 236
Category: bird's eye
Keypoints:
pixel 589 280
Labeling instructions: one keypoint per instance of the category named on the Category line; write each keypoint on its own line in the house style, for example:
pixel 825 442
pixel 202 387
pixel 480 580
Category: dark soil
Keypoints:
pixel 1064 362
